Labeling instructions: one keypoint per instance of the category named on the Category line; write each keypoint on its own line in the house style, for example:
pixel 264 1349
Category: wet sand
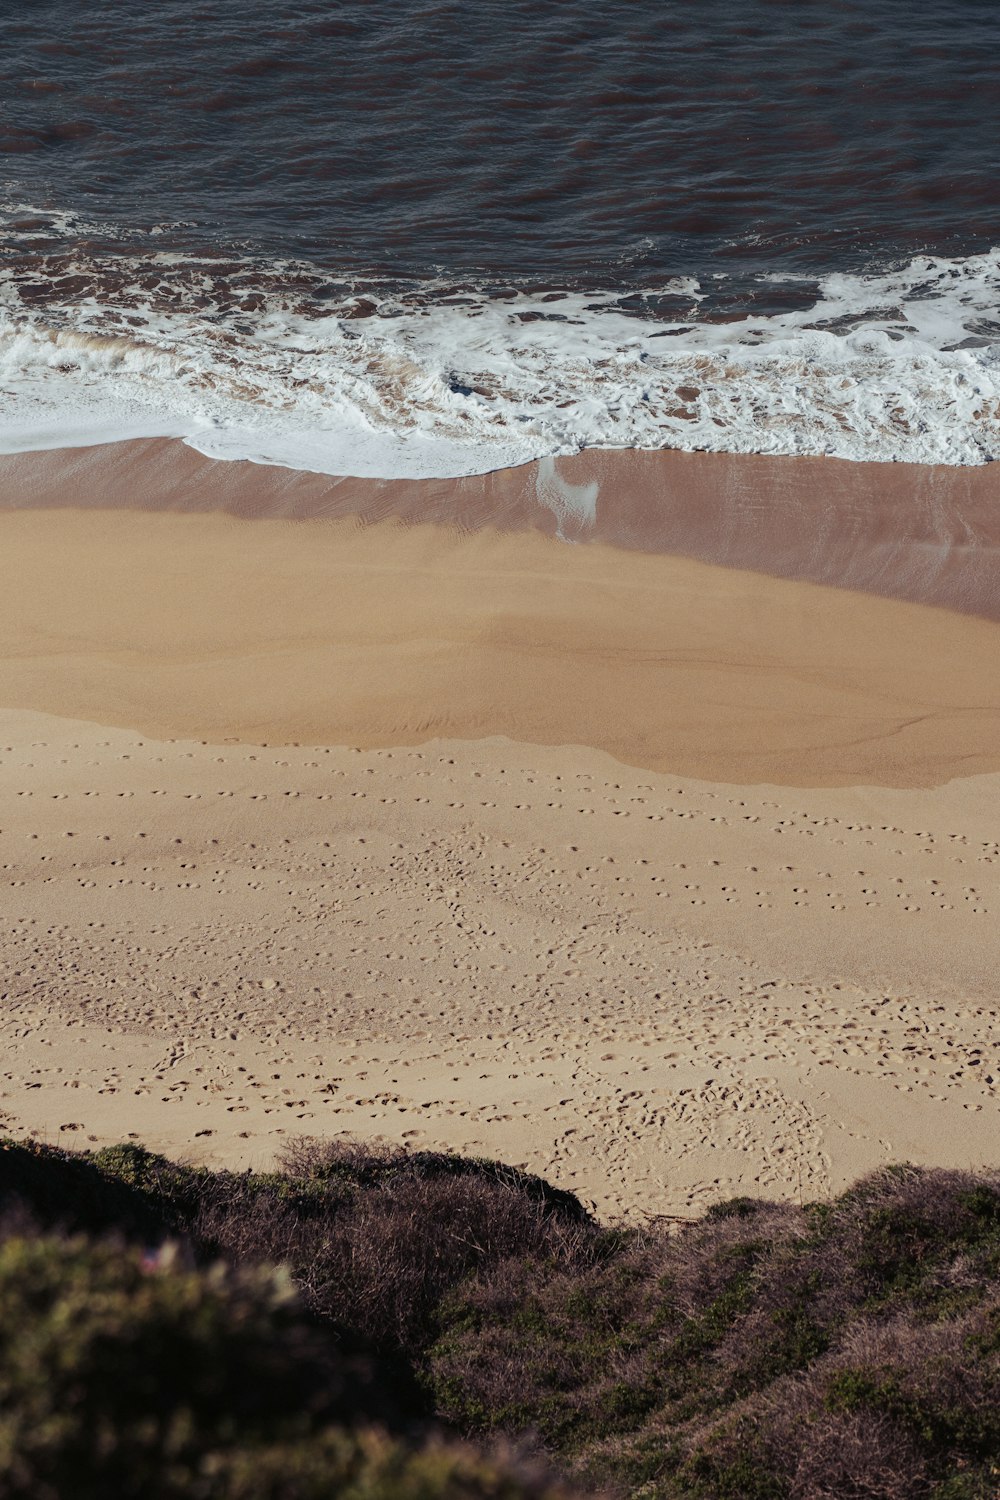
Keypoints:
pixel 929 534
pixel 668 879
pixel 390 634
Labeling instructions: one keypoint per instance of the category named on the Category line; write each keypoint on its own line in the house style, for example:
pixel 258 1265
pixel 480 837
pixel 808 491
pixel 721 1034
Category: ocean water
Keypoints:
pixel 398 238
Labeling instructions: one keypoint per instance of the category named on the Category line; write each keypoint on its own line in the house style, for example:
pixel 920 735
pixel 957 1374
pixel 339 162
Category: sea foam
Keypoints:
pixel 901 365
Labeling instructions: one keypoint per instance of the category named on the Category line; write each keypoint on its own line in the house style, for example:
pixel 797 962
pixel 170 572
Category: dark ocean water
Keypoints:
pixel 512 138
pixel 692 164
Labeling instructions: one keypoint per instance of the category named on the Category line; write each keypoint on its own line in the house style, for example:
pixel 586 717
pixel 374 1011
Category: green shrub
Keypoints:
pixel 838 1350
pixel 374 1237
pixel 123 1375
pixel 757 1310
pixel 126 1375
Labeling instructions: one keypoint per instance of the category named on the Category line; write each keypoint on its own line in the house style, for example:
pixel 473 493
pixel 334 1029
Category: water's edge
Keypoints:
pixel 927 534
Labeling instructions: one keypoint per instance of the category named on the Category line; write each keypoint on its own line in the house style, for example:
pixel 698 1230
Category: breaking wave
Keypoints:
pixel 273 362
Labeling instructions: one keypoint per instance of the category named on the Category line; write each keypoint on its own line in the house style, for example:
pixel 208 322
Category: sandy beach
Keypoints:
pixel 928 533
pixel 627 861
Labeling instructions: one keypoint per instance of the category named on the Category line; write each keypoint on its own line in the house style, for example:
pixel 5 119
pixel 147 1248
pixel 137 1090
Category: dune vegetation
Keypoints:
pixel 374 1323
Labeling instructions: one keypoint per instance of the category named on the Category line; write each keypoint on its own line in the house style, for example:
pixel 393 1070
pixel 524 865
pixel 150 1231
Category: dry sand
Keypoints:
pixel 668 880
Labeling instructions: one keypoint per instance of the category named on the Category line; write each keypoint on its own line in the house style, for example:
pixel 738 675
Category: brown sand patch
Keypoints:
pixel 332 632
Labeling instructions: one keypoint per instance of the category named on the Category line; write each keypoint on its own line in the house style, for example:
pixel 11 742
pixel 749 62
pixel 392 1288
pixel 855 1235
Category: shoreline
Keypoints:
pixel 927 534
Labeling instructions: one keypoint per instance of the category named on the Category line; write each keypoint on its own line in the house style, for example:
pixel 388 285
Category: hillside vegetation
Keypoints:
pixel 442 1327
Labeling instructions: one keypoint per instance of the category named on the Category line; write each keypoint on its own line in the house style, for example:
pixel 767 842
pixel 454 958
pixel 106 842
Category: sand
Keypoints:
pixel 926 533
pixel 668 880
pixel 329 632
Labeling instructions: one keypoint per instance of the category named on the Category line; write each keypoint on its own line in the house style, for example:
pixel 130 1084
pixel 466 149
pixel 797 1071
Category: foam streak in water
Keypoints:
pixel 899 366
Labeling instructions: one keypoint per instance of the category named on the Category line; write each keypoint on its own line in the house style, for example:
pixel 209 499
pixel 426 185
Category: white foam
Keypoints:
pixel 870 371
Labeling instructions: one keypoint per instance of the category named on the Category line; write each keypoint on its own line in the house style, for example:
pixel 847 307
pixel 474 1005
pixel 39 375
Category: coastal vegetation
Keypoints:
pixel 393 1325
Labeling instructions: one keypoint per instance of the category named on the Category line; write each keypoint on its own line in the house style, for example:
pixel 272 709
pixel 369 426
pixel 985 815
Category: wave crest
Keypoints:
pixel 272 362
